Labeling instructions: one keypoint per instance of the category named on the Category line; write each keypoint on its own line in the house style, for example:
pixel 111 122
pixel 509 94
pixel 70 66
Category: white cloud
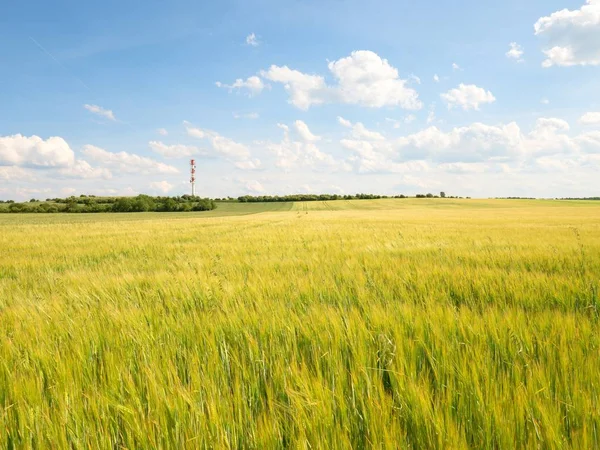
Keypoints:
pixel 252 40
pixel 68 191
pixel 29 192
pixel 174 151
pixel 363 78
pixel 248 164
pixel 34 151
pixel 237 153
pixel 395 123
pixel 431 117
pixel 415 78
pixel 126 162
pixel 459 167
pixel 11 173
pixel 475 148
pixel 253 85
pixel 343 122
pixel 572 36
pixel 590 118
pixel 419 182
pixel 82 169
pixel 98 110
pixel 589 142
pixel 436 78
pixel 359 131
pixel 53 154
pixel 455 66
pixel 304 90
pixel 254 187
pixel 291 154
pixel 467 97
pixel 251 116
pixel 545 101
pixel 515 52
pixel 162 131
pixel 304 132
pixel 222 145
pixel 162 186
pixel 410 118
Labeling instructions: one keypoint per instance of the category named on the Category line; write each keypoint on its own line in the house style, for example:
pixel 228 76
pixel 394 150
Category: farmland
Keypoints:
pixel 412 323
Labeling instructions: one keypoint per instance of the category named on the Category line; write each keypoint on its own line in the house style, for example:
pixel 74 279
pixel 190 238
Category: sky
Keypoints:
pixel 480 99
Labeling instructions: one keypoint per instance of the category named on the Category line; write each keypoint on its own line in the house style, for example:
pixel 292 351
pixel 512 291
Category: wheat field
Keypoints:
pixel 429 323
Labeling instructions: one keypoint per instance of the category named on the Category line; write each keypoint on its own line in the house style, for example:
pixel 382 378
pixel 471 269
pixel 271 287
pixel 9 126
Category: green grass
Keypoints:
pixel 425 323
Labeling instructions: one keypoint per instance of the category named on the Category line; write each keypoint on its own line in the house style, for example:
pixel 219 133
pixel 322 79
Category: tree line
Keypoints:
pixel 145 203
pixel 306 198
pixel 91 204
pixel 326 197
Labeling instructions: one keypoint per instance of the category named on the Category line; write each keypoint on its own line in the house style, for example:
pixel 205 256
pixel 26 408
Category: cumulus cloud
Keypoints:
pixel 359 131
pixel 33 151
pixel 162 131
pixel 398 123
pixel 127 162
pixel 373 153
pixel 252 40
pixel 304 132
pixel 363 78
pixel 83 170
pixel 100 111
pixel 590 118
pixel 252 85
pixel 254 187
pixel 237 153
pixel 476 148
pixel 460 167
pixel 572 37
pixel 161 186
pixel 455 66
pixel 175 150
pixel 515 52
pixel 248 164
pixel 467 97
pixel 53 155
pixel 436 78
pixel 343 122
pixel 290 154
pixel 220 144
pixel 431 117
pixel 415 78
pixel 10 173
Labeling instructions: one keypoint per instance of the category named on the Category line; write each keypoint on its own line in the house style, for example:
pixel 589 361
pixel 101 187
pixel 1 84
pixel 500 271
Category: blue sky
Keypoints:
pixel 332 96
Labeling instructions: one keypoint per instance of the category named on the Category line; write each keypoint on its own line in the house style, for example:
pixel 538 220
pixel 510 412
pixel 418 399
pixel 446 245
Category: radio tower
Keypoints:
pixel 193 176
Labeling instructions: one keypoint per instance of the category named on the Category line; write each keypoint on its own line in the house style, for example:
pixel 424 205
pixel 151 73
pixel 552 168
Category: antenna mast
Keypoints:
pixel 193 176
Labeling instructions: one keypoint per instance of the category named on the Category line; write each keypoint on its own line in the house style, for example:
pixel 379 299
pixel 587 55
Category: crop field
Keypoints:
pixel 396 323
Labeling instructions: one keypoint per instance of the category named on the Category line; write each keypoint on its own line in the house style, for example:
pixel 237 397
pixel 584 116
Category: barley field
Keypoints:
pixel 429 323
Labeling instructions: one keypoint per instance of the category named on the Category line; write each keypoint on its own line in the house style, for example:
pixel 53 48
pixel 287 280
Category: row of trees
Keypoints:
pixel 141 203
pixel 306 198
pixel 327 197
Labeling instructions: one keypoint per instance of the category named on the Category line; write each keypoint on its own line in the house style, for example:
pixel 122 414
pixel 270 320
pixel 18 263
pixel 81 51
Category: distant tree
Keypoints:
pixel 122 204
pixel 170 205
pixel 443 194
pixel 71 205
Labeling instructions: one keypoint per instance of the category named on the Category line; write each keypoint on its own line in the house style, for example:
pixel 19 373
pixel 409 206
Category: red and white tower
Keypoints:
pixel 193 176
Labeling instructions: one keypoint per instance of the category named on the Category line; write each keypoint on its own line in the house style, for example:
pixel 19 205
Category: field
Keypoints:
pixel 429 323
